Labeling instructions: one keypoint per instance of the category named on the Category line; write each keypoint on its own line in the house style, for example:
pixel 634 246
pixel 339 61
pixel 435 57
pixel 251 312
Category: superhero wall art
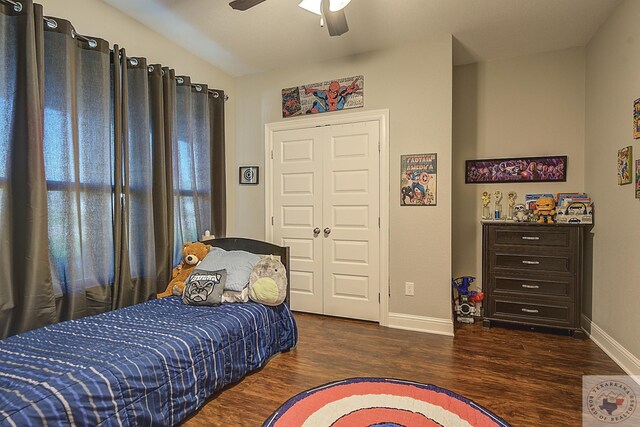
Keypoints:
pixel 418 178
pixel 332 95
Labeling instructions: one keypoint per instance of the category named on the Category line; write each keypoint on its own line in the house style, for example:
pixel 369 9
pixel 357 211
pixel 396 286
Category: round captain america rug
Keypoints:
pixel 381 402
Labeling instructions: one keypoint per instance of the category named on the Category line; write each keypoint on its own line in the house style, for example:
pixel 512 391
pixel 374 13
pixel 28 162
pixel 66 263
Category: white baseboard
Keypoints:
pixel 431 325
pixel 623 357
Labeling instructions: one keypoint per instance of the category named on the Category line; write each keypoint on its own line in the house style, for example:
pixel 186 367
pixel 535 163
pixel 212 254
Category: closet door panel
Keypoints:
pixel 350 209
pixel 297 200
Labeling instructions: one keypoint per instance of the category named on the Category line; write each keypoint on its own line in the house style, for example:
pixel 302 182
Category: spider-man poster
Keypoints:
pixel 332 95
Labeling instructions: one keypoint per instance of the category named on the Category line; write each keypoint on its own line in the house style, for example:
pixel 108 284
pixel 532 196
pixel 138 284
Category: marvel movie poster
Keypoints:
pixel 332 95
pixel 418 178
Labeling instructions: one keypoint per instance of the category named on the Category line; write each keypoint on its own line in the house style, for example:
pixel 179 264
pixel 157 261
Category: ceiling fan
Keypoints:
pixel 331 12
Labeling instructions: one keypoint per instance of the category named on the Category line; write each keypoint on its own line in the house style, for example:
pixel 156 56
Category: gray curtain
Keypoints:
pixel 162 95
pixel 218 170
pixel 192 164
pixel 136 222
pixel 107 165
pixel 78 168
pixel 26 292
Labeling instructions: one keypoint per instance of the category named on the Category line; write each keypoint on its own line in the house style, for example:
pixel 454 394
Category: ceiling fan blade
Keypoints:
pixel 336 21
pixel 244 4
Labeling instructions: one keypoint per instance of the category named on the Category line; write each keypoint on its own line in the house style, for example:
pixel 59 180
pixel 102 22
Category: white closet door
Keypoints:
pixel 350 211
pixel 327 178
pixel 297 211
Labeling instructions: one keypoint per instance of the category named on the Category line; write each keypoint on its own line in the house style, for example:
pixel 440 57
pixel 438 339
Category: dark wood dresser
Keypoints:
pixel 532 274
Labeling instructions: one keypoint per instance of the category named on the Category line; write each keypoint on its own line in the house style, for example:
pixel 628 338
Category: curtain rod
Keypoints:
pixel 51 23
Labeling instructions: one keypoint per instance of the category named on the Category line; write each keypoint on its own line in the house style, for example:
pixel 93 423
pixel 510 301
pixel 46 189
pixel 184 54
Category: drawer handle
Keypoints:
pixel 531 286
pixel 530 262
pixel 528 310
pixel 530 238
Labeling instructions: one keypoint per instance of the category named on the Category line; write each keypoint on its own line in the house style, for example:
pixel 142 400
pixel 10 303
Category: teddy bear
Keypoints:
pixel 192 254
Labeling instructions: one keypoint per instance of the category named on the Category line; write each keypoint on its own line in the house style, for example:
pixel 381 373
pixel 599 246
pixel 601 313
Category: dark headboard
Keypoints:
pixel 257 247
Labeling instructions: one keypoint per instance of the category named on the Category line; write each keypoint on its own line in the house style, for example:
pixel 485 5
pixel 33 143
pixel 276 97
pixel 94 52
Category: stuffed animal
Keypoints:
pixel 268 281
pixel 545 209
pixel 192 254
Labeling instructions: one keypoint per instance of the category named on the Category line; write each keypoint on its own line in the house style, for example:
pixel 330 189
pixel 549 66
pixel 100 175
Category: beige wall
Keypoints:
pixel 525 106
pixel 612 83
pixel 95 18
pixel 414 83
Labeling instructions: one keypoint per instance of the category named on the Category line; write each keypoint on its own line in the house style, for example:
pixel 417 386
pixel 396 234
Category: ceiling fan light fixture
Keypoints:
pixel 314 6
pixel 336 5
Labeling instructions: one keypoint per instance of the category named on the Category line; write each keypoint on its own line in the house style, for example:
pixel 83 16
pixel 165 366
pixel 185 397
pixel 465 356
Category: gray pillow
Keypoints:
pixel 237 263
pixel 204 287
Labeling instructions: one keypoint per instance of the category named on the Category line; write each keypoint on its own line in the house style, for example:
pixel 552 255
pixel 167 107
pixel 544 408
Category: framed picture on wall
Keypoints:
pixel 637 179
pixel 249 175
pixel 516 169
pixel 636 118
pixel 418 179
pixel 625 164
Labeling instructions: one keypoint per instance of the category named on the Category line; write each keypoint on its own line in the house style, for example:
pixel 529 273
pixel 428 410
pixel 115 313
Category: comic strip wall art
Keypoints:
pixel 636 119
pixel 332 95
pixel 637 179
pixel 418 179
pixel 516 169
pixel 625 164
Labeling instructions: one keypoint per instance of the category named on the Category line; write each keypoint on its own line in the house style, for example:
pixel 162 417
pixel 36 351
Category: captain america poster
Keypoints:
pixel 418 179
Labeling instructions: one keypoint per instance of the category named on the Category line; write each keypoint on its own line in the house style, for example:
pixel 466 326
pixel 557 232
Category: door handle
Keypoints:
pixel 316 231
pixel 327 231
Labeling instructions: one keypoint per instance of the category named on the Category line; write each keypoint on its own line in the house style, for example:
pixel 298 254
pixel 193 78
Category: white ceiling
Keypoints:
pixel 277 33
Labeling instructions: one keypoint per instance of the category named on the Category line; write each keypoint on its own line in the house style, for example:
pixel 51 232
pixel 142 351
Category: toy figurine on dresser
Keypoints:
pixel 521 214
pixel 545 209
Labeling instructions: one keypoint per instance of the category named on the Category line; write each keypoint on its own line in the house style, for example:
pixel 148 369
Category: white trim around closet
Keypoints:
pixel 382 116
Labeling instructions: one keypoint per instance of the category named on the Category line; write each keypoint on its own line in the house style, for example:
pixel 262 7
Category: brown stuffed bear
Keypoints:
pixel 192 254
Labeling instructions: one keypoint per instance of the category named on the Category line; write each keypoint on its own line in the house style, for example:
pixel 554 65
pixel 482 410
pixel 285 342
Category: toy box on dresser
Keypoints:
pixel 533 274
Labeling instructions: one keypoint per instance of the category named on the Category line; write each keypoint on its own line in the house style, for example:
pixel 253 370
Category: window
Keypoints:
pixel 78 167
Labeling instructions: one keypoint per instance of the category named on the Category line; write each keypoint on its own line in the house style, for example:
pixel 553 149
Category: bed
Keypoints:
pixel 149 364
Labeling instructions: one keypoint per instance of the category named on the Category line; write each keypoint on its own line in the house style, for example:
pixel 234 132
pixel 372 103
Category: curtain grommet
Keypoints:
pixel 133 62
pixel 53 24
pixel 198 88
pixel 17 7
pixel 216 95
pixel 150 68
pixel 180 80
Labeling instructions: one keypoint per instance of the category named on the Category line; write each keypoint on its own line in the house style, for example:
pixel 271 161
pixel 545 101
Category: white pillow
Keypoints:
pixel 237 263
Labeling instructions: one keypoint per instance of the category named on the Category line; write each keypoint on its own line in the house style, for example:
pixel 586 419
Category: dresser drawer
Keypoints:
pixel 533 286
pixel 532 236
pixel 532 312
pixel 555 263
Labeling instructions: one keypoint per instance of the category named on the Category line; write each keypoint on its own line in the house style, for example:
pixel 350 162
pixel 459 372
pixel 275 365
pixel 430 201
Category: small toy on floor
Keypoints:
pixel 465 302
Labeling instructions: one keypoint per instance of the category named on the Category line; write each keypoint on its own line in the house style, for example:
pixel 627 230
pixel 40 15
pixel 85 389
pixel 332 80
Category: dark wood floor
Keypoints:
pixel 527 378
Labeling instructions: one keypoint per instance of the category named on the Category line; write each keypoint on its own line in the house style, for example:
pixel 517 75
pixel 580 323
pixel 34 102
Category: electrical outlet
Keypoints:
pixel 409 288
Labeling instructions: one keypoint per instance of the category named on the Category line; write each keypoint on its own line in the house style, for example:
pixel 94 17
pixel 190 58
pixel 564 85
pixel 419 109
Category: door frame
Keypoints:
pixel 382 117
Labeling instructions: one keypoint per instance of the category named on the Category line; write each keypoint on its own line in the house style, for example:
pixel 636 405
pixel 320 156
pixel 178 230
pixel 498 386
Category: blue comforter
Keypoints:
pixel 149 364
